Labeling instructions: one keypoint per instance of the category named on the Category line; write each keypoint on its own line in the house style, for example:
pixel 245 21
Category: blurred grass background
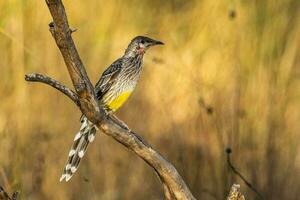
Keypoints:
pixel 228 76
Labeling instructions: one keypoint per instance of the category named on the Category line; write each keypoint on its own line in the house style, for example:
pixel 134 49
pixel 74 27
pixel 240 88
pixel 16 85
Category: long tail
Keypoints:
pixel 82 139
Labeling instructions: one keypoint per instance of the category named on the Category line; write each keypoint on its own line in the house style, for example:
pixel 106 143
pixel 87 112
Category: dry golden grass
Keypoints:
pixel 219 81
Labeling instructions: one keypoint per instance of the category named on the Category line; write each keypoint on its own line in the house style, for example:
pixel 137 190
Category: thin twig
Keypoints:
pixel 35 77
pixel 88 104
pixel 231 166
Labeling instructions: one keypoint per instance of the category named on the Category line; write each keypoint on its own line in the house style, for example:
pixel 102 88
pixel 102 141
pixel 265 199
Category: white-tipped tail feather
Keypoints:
pixel 81 141
pixel 81 154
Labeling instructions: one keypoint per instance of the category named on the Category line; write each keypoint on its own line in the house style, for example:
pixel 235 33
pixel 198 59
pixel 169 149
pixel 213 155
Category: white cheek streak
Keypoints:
pixel 142 46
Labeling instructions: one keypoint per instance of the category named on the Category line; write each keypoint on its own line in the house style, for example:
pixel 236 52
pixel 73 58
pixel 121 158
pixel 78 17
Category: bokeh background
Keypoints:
pixel 228 76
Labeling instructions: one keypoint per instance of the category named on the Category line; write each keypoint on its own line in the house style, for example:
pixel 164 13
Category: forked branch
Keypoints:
pixel 84 98
pixel 34 77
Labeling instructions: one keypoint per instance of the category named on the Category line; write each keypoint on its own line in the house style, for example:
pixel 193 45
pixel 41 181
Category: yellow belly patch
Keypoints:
pixel 119 101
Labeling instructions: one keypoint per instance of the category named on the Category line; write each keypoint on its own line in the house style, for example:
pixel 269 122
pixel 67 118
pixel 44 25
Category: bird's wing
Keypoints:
pixel 108 78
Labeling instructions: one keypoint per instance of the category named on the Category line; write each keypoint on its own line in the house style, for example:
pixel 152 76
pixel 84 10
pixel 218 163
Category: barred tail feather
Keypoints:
pixel 82 139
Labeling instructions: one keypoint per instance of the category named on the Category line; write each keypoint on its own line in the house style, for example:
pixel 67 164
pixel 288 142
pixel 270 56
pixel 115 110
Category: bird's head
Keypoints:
pixel 140 44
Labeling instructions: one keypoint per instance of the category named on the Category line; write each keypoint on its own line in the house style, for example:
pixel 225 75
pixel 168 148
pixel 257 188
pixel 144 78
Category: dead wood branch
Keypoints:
pixel 174 186
pixel 235 171
pixel 57 85
pixel 235 193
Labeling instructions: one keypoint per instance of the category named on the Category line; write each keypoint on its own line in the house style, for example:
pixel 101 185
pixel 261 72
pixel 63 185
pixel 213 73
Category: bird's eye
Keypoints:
pixel 142 42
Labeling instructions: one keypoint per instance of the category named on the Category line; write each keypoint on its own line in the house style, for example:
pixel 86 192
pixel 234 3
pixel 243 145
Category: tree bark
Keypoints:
pixel 235 193
pixel 84 97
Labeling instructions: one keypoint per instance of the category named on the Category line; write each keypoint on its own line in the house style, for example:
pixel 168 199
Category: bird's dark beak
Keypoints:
pixel 156 42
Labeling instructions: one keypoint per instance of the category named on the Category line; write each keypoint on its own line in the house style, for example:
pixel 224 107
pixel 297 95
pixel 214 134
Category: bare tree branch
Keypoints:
pixel 235 193
pixel 54 83
pixel 174 186
pixel 228 152
pixel 167 191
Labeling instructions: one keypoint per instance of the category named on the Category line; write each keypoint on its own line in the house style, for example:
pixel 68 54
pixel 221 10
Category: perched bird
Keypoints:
pixel 112 90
